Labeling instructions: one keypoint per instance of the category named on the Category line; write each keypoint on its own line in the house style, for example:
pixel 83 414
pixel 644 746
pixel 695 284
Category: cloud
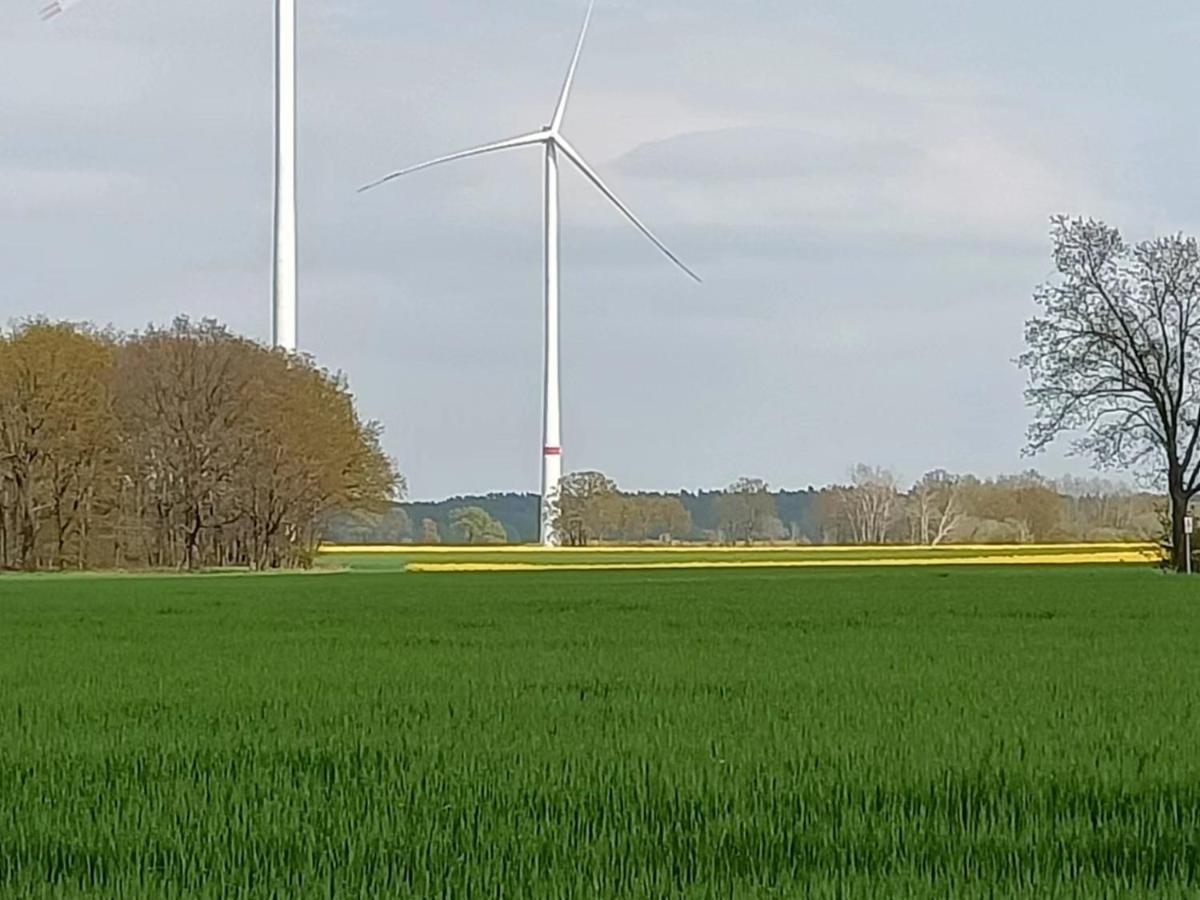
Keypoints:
pixel 30 192
pixel 766 153
pixel 865 188
pixel 947 174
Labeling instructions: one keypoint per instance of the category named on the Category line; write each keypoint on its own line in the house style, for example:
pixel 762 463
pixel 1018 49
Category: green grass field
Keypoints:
pixel 980 732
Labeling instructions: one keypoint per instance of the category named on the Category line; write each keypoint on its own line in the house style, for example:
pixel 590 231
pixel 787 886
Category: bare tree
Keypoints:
pixel 935 508
pixel 871 504
pixel 1096 508
pixel 1115 354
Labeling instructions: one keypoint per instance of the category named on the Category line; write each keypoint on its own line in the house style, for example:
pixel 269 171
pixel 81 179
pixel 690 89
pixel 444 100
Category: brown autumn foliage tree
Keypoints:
pixel 185 401
pixel 185 446
pixel 297 476
pixel 56 438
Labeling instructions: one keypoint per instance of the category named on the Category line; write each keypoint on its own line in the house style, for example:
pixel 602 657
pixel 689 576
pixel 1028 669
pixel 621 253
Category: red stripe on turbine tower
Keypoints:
pixel 553 451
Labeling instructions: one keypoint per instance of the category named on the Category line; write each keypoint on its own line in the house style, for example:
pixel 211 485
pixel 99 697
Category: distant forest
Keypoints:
pixel 517 514
pixel 872 507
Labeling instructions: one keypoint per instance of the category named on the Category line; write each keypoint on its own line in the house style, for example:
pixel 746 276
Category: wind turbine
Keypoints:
pixel 550 138
pixel 283 272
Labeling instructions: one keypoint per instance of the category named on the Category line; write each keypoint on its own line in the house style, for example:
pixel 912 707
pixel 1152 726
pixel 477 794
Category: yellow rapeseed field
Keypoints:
pixel 1045 560
pixel 518 558
pixel 489 549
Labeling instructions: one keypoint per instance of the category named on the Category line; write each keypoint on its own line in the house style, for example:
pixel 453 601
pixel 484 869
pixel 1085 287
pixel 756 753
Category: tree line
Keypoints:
pixel 183 447
pixel 870 506
pixel 943 508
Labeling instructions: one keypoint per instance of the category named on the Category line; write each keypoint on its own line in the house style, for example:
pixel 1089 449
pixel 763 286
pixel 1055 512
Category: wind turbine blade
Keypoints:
pixel 522 141
pixel 589 173
pixel 561 109
pixel 56 8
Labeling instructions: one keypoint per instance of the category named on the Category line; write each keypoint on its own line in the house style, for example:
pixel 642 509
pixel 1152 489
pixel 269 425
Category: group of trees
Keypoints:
pixel 943 508
pixel 176 447
pixel 590 508
pixel 746 511
pixel 465 522
pixel 871 507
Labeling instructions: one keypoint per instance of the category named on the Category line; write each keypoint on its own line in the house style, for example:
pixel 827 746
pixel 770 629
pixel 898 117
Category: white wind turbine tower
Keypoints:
pixel 551 139
pixel 283 273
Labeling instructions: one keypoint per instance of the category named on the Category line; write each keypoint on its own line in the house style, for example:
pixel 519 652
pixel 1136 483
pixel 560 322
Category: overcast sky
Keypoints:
pixel 864 187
